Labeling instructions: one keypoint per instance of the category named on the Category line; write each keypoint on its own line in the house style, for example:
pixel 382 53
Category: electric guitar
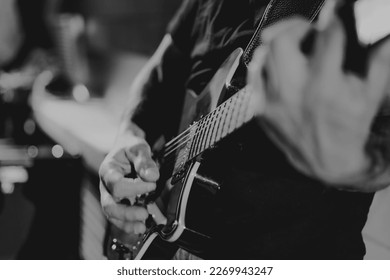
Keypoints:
pixel 187 175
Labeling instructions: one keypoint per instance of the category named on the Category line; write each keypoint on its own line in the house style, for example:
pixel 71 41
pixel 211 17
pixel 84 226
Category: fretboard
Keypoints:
pixel 212 128
pixel 221 122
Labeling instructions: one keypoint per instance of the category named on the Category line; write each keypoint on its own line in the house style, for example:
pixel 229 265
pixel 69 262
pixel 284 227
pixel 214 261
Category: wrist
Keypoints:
pixel 373 174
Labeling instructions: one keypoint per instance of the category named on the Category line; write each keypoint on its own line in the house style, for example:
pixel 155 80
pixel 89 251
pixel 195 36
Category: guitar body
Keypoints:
pixel 188 221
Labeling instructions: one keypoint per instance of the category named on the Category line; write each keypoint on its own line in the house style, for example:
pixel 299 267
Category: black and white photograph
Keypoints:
pixel 237 135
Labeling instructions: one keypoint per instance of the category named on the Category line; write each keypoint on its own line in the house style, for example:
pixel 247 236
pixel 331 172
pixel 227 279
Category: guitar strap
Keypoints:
pixel 277 10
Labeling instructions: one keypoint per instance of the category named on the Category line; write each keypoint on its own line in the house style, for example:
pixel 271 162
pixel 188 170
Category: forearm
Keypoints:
pixel 127 126
pixel 365 169
pixel 143 88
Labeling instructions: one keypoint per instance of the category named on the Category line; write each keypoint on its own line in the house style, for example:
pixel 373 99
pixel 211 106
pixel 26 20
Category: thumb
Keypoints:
pixel 149 173
pixel 256 79
pixel 141 157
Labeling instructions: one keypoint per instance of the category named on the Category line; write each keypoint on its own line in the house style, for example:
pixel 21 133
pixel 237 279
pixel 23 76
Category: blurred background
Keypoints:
pixel 65 71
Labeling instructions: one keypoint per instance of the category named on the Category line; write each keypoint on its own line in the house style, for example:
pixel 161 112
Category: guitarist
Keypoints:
pixel 303 180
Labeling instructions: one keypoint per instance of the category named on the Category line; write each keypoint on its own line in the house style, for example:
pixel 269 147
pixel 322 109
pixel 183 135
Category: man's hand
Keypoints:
pixel 317 113
pixel 130 152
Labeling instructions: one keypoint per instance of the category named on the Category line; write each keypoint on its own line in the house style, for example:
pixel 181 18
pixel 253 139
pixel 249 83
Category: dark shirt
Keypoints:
pixel 208 31
pixel 35 30
pixel 266 209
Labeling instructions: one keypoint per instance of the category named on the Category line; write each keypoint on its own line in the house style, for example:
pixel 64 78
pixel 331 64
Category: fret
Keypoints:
pixel 200 136
pixel 244 107
pixel 204 130
pixel 241 110
pixel 249 113
pixel 193 143
pixel 226 122
pixel 228 118
pixel 222 122
pixel 208 132
pixel 193 140
pixel 188 144
pixel 217 120
pixel 197 139
pixel 200 139
pixel 240 106
pixel 213 127
pixel 235 108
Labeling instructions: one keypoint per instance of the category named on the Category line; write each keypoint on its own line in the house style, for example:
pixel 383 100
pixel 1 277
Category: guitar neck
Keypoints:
pixel 212 128
pixel 221 122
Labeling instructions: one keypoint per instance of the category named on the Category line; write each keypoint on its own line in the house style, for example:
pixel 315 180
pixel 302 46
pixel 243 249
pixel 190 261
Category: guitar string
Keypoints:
pixel 174 150
pixel 178 140
pixel 171 152
pixel 199 131
pixel 201 122
pixel 177 143
pixel 202 129
pixel 175 139
pixel 177 146
pixel 182 139
pixel 182 134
